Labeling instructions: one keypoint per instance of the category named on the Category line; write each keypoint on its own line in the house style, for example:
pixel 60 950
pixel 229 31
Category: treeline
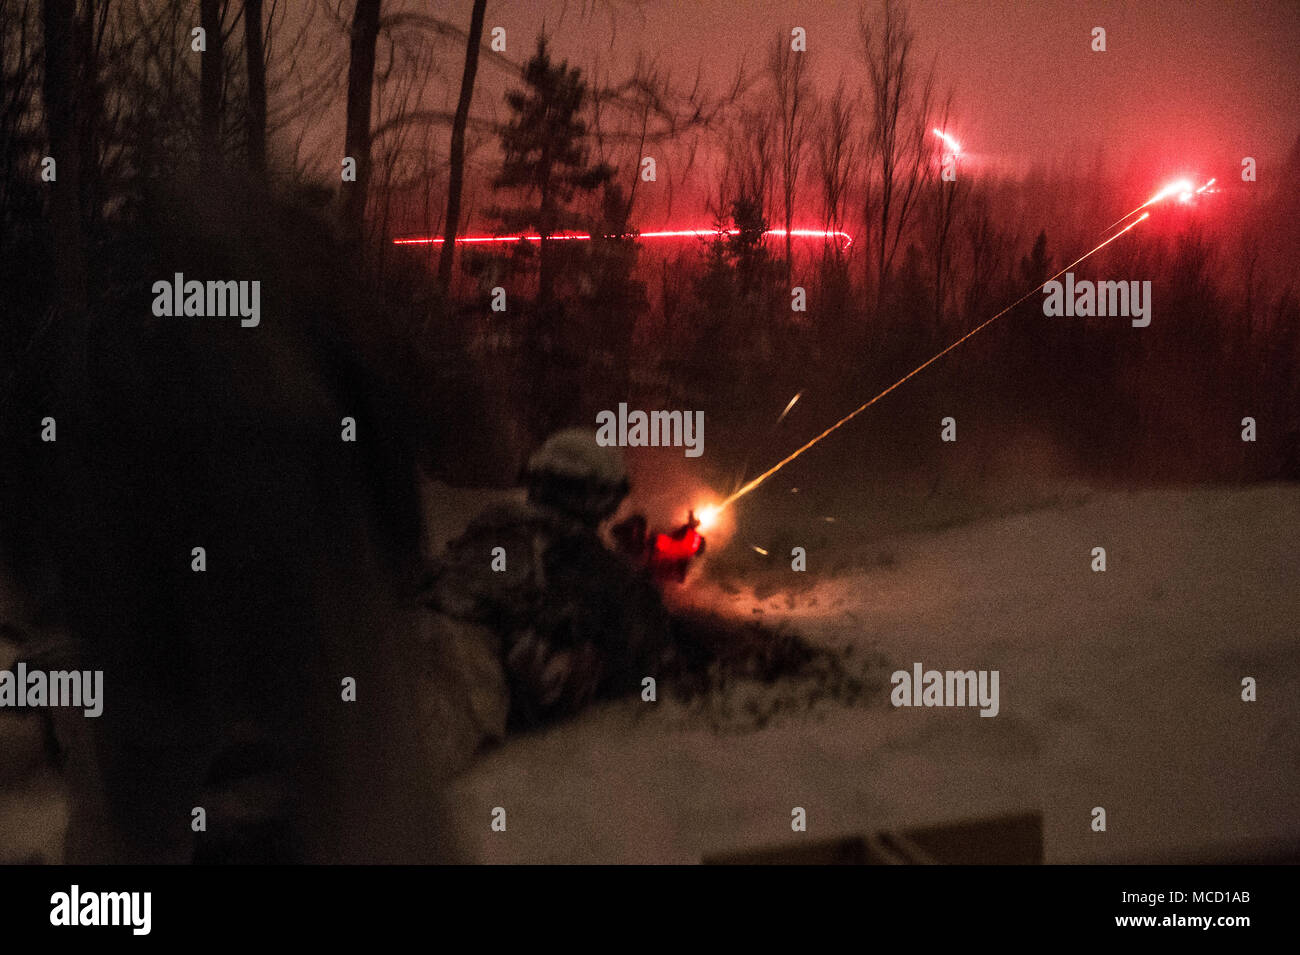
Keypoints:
pixel 138 139
pixel 738 323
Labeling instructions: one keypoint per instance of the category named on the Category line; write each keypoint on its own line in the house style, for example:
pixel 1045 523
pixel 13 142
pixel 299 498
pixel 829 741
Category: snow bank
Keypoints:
pixel 1120 689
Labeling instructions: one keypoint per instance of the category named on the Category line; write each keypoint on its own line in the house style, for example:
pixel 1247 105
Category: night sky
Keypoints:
pixel 1180 81
pixel 1183 87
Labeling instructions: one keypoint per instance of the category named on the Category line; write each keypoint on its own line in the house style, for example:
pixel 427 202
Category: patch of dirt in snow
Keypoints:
pixel 743 677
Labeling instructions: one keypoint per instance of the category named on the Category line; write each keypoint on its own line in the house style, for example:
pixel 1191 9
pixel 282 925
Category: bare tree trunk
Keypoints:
pixel 90 34
pixel 254 53
pixel 454 187
pixel 60 90
pixel 786 67
pixel 949 194
pixel 947 201
pixel 210 83
pixel 361 77
pixel 750 153
pixel 897 139
pixel 836 155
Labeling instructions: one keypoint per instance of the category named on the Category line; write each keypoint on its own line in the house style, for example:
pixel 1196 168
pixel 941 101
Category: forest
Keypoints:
pixel 310 146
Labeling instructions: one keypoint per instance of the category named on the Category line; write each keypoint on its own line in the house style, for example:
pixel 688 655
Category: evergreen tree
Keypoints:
pixel 546 157
pixel 747 246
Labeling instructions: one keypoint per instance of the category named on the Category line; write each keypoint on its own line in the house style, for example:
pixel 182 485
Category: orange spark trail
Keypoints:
pixel 797 396
pixel 755 482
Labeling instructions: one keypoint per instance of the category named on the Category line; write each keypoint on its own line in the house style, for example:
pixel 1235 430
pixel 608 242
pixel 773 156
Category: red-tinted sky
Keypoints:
pixel 1185 87
pixel 1180 82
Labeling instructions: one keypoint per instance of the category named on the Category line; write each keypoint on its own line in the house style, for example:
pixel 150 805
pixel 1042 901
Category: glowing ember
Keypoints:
pixel 759 549
pixel 789 406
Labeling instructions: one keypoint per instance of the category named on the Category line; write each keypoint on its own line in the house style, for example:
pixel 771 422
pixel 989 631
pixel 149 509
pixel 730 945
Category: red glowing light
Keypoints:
pixel 1179 187
pixel 1184 189
pixel 673 547
pixel 823 234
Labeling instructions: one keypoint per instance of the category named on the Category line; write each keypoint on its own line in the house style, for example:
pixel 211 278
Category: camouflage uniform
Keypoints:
pixel 567 621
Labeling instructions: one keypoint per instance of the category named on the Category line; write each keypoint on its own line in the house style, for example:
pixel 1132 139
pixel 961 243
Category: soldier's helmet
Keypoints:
pixel 572 473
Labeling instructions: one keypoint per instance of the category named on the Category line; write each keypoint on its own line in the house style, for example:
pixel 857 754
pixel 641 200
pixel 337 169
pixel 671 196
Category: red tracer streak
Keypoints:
pixel 670 234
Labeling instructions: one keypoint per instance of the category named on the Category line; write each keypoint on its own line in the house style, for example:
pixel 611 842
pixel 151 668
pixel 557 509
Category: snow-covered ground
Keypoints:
pixel 1119 689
